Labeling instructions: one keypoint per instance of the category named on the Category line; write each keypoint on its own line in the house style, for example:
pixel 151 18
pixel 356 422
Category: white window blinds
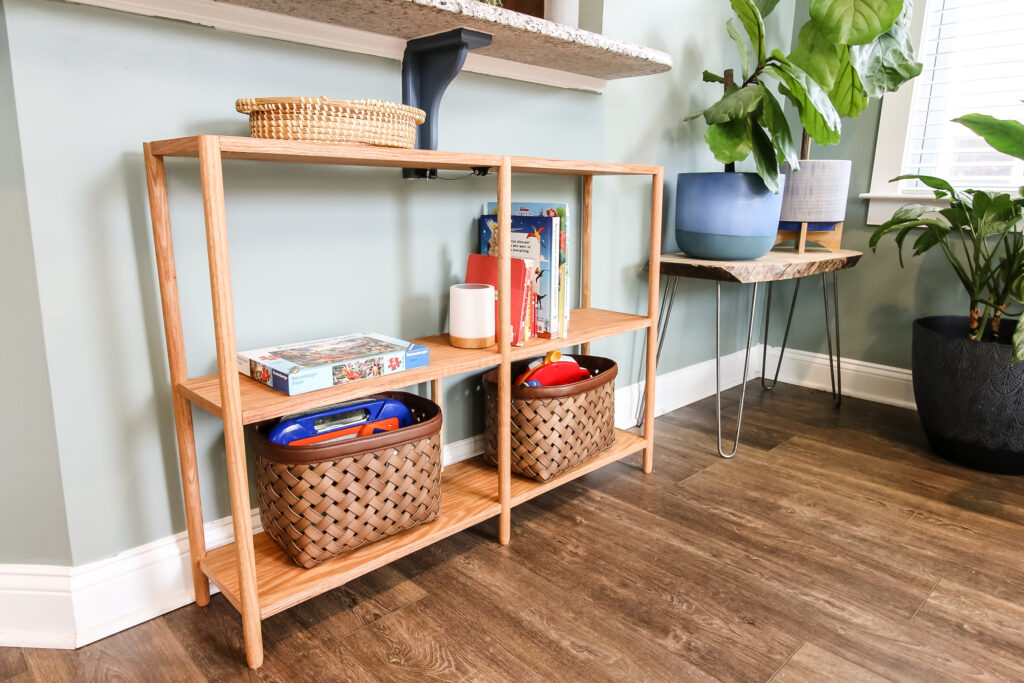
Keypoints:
pixel 973 62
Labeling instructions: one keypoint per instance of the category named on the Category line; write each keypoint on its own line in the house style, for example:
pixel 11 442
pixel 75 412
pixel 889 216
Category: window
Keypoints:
pixel 972 63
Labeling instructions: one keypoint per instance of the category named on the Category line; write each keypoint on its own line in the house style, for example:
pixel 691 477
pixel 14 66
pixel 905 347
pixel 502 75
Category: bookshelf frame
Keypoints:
pixel 251 572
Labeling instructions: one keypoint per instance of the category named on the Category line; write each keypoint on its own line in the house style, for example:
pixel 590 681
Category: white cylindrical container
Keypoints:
pixel 471 316
pixel 565 12
pixel 817 192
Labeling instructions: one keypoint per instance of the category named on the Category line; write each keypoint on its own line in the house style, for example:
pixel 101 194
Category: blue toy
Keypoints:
pixel 361 417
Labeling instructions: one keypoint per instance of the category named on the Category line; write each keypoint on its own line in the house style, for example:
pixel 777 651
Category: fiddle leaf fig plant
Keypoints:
pixel 847 52
pixel 979 234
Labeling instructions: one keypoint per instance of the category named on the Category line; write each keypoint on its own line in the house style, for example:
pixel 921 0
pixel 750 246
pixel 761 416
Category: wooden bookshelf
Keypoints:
pixel 252 572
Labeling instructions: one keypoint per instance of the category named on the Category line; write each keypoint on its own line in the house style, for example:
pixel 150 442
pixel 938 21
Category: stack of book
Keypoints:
pixel 540 236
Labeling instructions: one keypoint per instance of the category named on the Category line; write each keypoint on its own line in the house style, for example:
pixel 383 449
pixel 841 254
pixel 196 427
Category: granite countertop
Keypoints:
pixel 517 37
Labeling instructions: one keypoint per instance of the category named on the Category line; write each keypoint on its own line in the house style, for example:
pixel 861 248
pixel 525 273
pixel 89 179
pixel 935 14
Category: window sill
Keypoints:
pixel 882 205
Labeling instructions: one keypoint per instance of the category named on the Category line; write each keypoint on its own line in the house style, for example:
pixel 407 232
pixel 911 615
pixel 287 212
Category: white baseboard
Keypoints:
pixel 869 381
pixel 67 607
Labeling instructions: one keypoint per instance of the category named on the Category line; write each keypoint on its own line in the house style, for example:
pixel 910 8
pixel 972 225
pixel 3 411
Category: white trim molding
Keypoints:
pixel 68 607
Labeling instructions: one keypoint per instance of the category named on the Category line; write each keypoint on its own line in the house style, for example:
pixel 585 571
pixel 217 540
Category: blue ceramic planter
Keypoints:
pixel 726 216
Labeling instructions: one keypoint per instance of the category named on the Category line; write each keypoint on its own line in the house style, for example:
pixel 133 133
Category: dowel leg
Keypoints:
pixel 211 174
pixel 653 287
pixel 164 247
pixel 505 345
pixel 586 232
pixel 437 396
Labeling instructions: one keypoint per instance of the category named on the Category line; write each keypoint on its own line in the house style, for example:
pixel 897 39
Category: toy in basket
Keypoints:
pixel 554 428
pixel 325 498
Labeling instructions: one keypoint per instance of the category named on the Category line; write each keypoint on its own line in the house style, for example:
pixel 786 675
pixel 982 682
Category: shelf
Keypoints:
pixel 469 496
pixel 298 151
pixel 524 47
pixel 260 402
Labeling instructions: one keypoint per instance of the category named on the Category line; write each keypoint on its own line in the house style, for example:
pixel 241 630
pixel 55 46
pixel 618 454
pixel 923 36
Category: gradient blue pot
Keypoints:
pixel 726 216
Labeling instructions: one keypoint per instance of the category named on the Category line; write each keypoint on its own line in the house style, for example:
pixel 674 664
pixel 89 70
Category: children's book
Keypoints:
pixel 308 366
pixel 562 211
pixel 482 269
pixel 535 238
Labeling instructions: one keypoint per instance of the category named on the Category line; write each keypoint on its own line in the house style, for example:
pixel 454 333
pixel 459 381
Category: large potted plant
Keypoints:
pixel 847 52
pixel 968 381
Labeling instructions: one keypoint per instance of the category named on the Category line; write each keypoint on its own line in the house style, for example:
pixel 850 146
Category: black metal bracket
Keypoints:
pixel 429 65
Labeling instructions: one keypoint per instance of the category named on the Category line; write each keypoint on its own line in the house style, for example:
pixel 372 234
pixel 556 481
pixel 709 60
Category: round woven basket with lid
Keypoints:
pixel 319 119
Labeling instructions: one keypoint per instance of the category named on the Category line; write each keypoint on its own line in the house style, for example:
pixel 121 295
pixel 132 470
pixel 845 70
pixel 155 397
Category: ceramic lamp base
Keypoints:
pixel 470 342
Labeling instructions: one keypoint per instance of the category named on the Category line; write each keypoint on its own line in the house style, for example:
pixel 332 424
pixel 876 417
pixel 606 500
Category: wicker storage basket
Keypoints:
pixel 554 428
pixel 319 501
pixel 361 122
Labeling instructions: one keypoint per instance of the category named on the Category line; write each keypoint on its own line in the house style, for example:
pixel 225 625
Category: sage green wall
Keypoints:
pixel 315 251
pixel 878 300
pixel 33 527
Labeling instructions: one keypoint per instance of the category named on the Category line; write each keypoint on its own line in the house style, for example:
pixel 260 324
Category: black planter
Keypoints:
pixel 969 395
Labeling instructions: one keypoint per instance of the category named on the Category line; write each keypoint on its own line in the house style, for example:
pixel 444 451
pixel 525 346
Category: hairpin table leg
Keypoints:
pixel 718 369
pixel 785 337
pixel 835 375
pixel 663 315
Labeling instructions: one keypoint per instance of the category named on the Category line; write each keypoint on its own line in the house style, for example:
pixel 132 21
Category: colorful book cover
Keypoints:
pixel 562 211
pixel 536 238
pixel 482 269
pixel 322 363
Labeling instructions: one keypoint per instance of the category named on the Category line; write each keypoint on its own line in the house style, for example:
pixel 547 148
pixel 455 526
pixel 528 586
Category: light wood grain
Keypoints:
pixel 260 402
pixel 169 302
pixel 505 347
pixel 829 239
pixel 773 266
pixel 586 235
pixel 653 288
pixel 297 151
pixel 211 175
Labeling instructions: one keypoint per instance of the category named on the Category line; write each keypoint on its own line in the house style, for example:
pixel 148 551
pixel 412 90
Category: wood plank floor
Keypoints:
pixel 833 547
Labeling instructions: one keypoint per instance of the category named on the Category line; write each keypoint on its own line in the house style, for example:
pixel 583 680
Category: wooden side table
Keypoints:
pixel 771 268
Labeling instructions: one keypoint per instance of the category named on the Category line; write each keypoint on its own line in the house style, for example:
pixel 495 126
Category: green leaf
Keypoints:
pixel 736 104
pixel 847 92
pixel 855 22
pixel 774 121
pixel 746 57
pixel 751 19
pixel 995 213
pixel 1018 342
pixel 731 141
pixel 932 182
pixel 887 62
pixel 764 159
pixel 1004 135
pixel 816 55
pixel 765 7
pixel 709 77
pixel 820 119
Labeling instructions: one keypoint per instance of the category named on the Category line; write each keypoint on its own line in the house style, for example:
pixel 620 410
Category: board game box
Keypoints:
pixel 311 365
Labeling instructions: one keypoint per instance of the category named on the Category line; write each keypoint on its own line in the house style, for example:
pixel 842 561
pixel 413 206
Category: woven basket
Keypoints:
pixel 359 122
pixel 320 501
pixel 554 429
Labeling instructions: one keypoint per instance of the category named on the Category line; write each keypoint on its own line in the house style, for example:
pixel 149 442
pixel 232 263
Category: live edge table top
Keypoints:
pixel 773 266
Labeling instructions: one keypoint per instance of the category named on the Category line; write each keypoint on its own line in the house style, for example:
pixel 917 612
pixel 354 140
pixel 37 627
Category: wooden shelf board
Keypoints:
pixel 297 151
pixel 260 402
pixel 469 496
